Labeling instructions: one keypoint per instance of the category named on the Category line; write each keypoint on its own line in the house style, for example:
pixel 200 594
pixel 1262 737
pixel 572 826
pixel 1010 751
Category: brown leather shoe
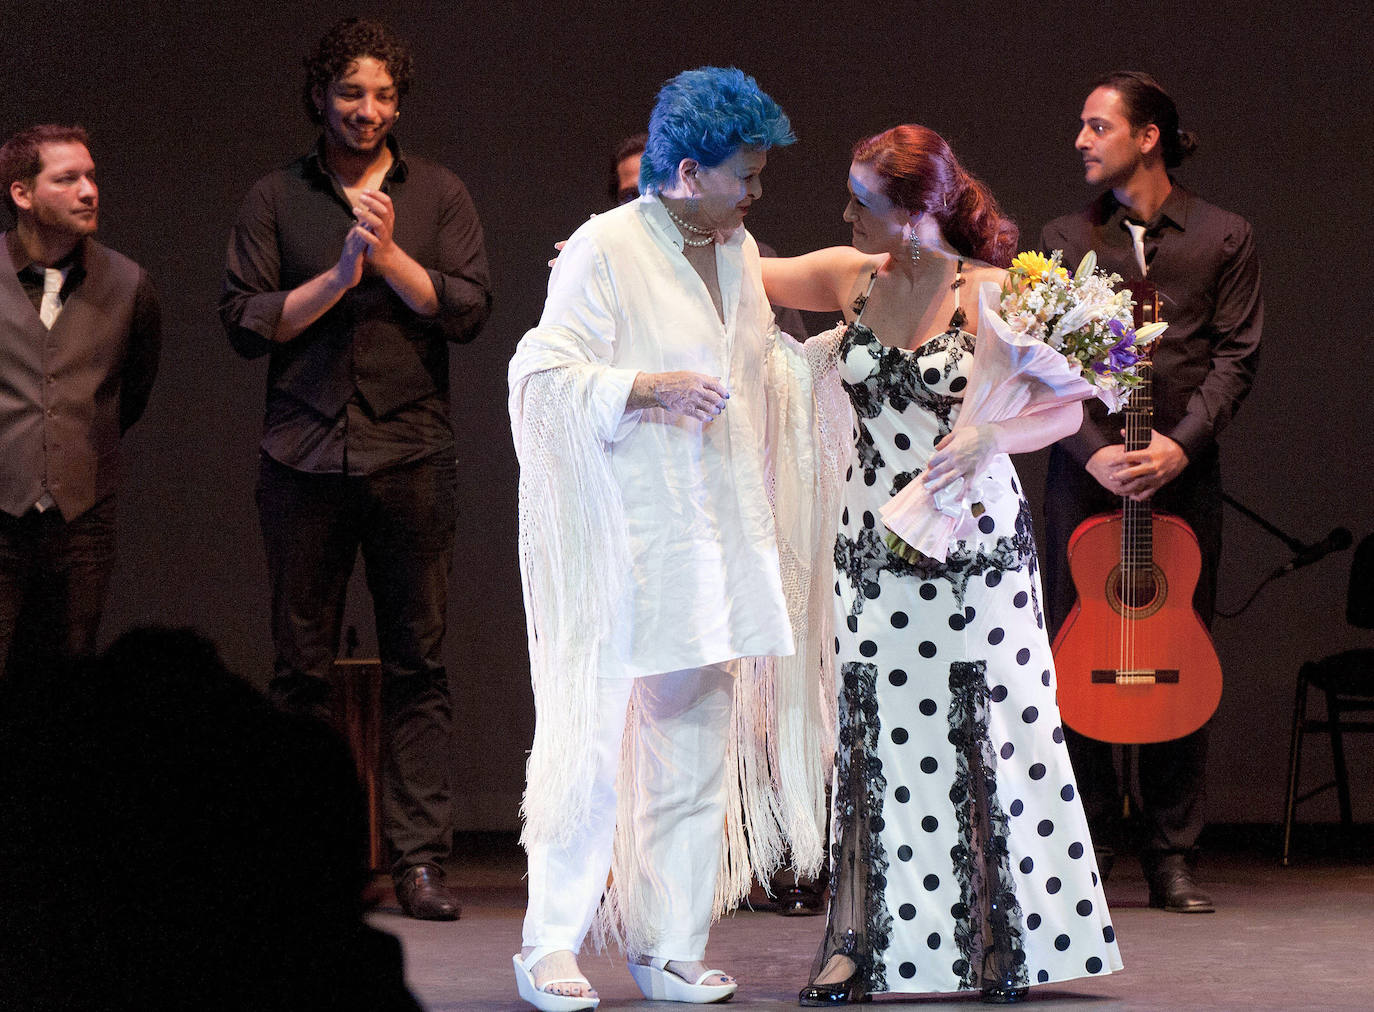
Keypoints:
pixel 1172 888
pixel 423 895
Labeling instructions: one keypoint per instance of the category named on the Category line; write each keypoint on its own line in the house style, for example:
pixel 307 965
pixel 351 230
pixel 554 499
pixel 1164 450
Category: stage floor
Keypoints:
pixel 1282 938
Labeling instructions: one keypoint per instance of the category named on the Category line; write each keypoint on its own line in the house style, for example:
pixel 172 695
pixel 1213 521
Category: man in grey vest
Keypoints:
pixel 80 334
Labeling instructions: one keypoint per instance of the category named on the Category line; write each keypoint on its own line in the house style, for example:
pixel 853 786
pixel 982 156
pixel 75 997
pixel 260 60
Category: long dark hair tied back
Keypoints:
pixel 921 176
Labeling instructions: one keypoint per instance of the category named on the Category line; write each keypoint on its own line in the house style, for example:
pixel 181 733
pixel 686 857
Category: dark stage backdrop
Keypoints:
pixel 189 103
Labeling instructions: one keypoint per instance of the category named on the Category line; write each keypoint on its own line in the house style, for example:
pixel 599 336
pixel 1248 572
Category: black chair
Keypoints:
pixel 1347 681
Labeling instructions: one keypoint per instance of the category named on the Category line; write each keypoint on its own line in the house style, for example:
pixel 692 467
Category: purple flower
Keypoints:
pixel 1119 356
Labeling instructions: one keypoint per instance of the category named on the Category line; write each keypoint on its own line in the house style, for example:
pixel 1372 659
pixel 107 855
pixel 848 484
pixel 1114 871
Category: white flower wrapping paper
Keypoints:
pixel 1013 374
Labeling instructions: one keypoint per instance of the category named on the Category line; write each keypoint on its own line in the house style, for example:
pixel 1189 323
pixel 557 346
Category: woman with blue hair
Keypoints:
pixel 678 718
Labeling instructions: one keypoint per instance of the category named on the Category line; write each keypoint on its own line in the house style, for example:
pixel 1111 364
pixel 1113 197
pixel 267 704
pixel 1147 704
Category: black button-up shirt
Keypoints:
pixel 1202 260
pixel 364 387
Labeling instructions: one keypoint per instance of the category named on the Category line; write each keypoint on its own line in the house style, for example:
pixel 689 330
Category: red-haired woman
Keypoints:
pixel 960 854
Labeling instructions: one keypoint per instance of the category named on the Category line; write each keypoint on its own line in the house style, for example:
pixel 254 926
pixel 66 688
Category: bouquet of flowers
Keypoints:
pixel 1082 317
pixel 1045 338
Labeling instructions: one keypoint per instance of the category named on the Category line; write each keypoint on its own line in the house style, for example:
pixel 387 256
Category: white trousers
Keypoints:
pixel 679 813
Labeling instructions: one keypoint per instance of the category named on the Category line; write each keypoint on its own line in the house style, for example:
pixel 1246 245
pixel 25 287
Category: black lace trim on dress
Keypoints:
pixel 987 919
pixel 898 377
pixel 870 460
pixel 861 559
pixel 859 925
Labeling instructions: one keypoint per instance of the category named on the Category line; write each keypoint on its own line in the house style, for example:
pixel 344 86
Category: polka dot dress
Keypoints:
pixel 961 855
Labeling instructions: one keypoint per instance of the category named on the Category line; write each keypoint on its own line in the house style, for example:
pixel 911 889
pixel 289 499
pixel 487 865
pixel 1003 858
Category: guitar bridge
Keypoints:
pixel 1135 676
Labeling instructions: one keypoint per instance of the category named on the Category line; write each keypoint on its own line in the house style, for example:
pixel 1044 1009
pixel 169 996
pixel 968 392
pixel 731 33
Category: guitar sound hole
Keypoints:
pixel 1140 596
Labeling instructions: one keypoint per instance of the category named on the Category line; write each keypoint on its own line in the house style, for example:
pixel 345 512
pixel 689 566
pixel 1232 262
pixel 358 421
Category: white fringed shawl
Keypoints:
pixel 574 565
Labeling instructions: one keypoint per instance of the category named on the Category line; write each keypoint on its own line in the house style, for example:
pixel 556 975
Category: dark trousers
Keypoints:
pixel 53 576
pixel 1172 774
pixel 402 520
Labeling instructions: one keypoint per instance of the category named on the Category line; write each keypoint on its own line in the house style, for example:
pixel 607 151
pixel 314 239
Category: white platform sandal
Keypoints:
pixel 658 983
pixel 542 999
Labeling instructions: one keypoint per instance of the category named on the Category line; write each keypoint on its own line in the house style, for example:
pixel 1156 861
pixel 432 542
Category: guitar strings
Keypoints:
pixel 1135 529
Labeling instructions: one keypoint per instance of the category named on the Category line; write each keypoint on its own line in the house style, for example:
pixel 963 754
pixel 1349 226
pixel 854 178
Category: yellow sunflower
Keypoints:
pixel 1035 266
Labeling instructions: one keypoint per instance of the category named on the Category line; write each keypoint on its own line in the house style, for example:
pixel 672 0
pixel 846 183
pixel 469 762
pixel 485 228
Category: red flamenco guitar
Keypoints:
pixel 1135 663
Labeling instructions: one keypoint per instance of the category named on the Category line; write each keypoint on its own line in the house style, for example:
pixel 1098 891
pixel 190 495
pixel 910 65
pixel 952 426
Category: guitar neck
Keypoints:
pixel 1137 527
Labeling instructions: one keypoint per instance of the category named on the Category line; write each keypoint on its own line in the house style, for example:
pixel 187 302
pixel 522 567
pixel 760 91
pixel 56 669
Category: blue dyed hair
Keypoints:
pixel 707 115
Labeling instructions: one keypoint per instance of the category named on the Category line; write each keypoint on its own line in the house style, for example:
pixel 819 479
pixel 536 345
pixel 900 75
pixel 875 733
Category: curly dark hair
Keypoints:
pixel 344 45
pixel 921 176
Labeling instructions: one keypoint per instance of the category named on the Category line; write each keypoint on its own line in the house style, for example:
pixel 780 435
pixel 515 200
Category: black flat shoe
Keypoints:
pixel 846 992
pixel 824 995
pixel 998 995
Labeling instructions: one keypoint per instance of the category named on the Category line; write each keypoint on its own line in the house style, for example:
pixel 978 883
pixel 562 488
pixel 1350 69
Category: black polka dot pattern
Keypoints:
pixel 911 624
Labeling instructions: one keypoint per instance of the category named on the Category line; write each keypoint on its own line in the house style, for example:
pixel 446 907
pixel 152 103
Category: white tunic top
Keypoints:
pixel 622 299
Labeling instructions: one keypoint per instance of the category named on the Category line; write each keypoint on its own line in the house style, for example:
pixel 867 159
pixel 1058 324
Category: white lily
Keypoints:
pixel 1086 266
pixel 1150 331
pixel 1076 318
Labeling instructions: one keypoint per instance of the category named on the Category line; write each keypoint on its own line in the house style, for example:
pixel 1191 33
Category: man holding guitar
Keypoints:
pixel 1201 261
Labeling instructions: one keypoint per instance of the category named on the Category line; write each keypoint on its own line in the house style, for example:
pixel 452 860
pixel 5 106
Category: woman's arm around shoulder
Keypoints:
pixel 817 282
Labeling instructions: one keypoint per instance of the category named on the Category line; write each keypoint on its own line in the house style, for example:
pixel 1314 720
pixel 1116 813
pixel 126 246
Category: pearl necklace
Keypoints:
pixel 695 243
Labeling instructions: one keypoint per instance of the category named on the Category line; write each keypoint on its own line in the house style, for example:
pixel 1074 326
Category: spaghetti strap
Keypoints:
pixel 958 319
pixel 861 302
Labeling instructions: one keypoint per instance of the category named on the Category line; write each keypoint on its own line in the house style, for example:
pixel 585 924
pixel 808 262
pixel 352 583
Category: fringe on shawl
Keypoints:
pixel 574 566
pixel 781 747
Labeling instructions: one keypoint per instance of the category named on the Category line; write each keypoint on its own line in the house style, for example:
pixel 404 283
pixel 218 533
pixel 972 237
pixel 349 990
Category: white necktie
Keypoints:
pixel 51 304
pixel 1138 241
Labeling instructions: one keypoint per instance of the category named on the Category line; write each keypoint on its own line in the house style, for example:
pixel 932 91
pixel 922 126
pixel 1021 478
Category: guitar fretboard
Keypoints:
pixel 1137 526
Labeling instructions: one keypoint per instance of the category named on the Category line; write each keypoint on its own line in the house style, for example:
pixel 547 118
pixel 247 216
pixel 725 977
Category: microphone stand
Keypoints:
pixel 1294 545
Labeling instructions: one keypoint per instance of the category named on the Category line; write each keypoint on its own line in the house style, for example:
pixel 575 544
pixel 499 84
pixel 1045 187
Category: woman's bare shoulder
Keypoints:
pixel 976 271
